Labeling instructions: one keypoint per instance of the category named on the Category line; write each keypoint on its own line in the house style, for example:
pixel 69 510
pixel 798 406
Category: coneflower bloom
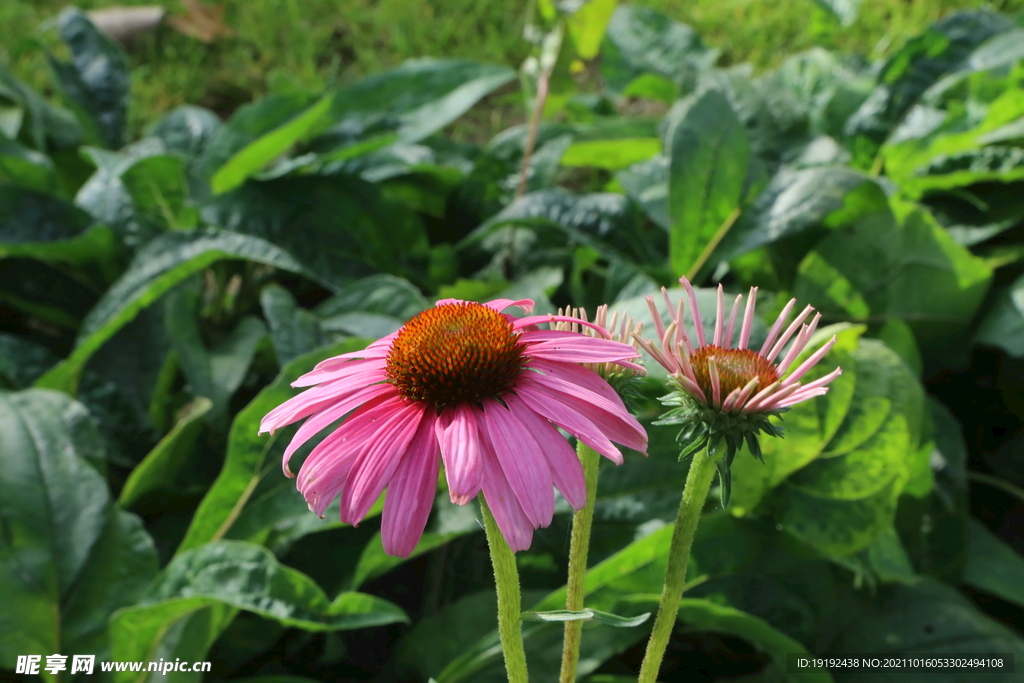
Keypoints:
pixel 728 392
pixel 465 384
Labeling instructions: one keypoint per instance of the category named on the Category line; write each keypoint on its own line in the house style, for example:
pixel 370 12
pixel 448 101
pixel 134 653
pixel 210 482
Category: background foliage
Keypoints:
pixel 164 277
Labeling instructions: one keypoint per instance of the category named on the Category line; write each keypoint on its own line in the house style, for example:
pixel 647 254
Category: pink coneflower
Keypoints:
pixel 728 392
pixel 479 389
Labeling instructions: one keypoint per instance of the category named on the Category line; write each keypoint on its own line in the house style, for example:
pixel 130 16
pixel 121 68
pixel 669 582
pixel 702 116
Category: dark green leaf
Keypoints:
pixel 68 556
pixel 641 40
pixel 156 269
pixel 245 577
pixel 558 615
pixel 709 153
pixel 258 153
pixel 374 562
pixel 160 467
pixel 992 565
pixel 97 79
pixel 250 457
pixel 293 330
pixel 919 64
pixel 926 619
pixel 343 228
pixel 1003 324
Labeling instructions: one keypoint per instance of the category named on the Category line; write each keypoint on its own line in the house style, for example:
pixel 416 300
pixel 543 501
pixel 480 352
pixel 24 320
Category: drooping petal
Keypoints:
pixel 459 440
pixel 522 460
pixel 565 467
pixel 374 467
pixel 411 492
pixel 545 402
pixel 513 522
pixel 326 470
pixel 318 421
pixel 593 396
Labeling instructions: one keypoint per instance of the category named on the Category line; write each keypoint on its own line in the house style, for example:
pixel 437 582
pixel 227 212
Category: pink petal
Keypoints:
pixel 459 439
pixel 599 399
pixel 719 316
pixel 582 349
pixel 326 470
pixel 335 369
pixel 515 526
pixel 312 400
pixel 793 327
pixel 375 466
pixel 411 492
pixel 536 336
pixel 716 386
pixel 324 418
pixel 522 460
pixel 698 324
pixel 565 467
pixel 551 404
pixel 810 362
pixel 520 323
pixel 779 322
pixel 499 305
pixel 748 319
pixel 732 321
pixel 656 316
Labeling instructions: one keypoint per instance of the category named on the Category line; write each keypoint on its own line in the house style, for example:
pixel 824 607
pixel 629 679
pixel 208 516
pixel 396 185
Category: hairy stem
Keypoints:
pixel 698 482
pixel 578 549
pixel 506 579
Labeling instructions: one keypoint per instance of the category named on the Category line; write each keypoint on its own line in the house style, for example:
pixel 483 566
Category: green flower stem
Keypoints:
pixel 506 578
pixel 578 548
pixel 698 482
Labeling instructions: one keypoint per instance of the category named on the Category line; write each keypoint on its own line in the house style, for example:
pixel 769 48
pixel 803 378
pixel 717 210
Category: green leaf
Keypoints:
pixel 250 457
pixel 1003 324
pixel 40 226
pixel 22 361
pixel 266 148
pixel 699 615
pixel 615 620
pixel 709 153
pixel 611 155
pixel 992 565
pixel 913 271
pixel 843 10
pixel 385 294
pixel 160 193
pixel 412 100
pixel 68 556
pixel 926 619
pixel 155 270
pixel 799 201
pixel 245 577
pixel 587 26
pixel 557 615
pixel 917 65
pixel 293 330
pixel 641 40
pixel 344 228
pixel 218 372
pixel 97 80
pixel 160 466
pixel 26 168
pixel 374 562
pixel 186 130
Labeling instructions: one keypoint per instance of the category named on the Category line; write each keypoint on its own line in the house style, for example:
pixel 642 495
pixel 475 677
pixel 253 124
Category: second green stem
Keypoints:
pixel 698 482
pixel 579 547
pixel 506 579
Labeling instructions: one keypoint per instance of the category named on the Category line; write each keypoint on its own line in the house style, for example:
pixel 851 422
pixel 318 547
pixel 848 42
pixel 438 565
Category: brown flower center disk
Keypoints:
pixel 455 353
pixel 736 367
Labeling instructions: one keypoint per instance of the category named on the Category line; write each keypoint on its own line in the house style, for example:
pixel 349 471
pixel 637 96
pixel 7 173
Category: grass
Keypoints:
pixel 280 44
